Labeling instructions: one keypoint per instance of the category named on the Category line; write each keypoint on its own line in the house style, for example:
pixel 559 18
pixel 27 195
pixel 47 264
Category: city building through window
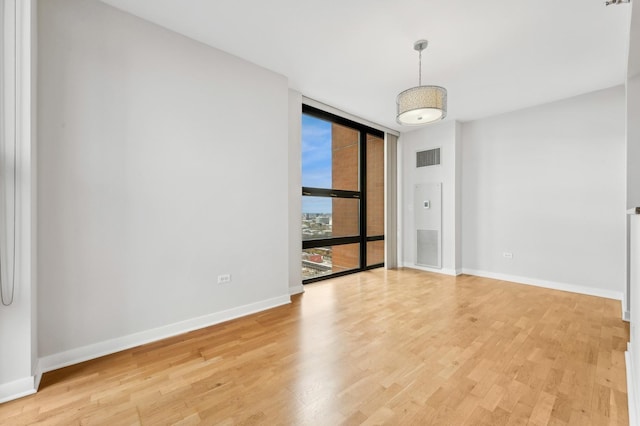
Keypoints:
pixel 342 196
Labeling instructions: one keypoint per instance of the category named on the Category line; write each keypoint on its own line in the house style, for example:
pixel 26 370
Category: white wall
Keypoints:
pixel 633 111
pixel 163 163
pixel 444 135
pixel 548 185
pixel 633 135
pixel 633 155
pixel 633 200
pixel 458 199
pixel 632 356
pixel 295 197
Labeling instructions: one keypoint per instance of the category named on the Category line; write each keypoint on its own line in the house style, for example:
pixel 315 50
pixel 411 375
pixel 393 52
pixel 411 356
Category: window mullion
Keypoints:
pixel 363 199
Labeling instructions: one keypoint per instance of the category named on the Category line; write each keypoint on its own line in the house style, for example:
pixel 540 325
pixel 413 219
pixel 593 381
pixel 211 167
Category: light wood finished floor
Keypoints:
pixel 381 347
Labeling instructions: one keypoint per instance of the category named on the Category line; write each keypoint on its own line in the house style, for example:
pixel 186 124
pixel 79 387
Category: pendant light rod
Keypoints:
pixel 420 45
pixel 420 68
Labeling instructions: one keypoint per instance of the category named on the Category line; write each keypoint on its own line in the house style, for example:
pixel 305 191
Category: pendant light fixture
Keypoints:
pixel 421 104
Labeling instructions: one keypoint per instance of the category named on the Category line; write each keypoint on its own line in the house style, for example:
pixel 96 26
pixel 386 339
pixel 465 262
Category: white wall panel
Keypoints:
pixel 163 164
pixel 547 185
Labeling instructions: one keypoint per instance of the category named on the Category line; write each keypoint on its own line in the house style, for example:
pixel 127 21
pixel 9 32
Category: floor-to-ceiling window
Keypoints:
pixel 342 196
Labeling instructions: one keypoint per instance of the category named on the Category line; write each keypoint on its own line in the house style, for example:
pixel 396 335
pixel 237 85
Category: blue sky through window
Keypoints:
pixel 316 162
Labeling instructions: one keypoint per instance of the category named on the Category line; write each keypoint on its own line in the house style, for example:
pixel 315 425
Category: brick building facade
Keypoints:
pixel 345 212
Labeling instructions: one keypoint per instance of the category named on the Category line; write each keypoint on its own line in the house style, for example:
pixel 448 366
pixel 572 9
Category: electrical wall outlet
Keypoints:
pixel 507 255
pixel 222 279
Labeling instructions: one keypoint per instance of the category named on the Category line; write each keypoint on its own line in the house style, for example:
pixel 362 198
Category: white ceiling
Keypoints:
pixel 357 55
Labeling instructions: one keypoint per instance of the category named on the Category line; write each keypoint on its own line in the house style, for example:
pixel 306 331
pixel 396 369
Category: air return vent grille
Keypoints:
pixel 430 157
pixel 428 250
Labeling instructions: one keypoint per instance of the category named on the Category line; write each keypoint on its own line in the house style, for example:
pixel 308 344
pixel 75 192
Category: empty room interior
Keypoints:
pixel 338 212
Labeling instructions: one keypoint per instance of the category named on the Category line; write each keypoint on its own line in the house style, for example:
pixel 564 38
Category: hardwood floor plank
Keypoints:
pixel 381 347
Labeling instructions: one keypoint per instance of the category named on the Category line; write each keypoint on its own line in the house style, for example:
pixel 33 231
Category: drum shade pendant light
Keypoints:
pixel 421 104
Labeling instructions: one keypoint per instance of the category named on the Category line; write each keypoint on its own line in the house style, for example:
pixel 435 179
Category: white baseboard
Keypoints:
pixel 573 288
pixel 444 271
pixel 634 415
pixel 37 375
pixel 17 389
pixel 296 289
pixel 95 350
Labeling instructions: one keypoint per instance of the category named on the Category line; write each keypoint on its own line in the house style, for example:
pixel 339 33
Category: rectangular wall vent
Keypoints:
pixel 430 157
pixel 428 248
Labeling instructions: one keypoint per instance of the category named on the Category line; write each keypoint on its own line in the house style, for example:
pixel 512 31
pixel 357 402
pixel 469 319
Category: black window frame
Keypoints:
pixel 362 238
